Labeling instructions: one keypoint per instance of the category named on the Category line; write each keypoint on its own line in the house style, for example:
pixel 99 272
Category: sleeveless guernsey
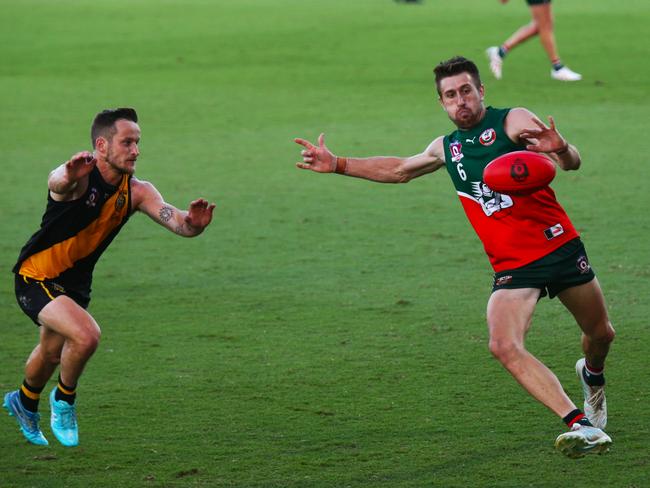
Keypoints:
pixel 515 230
pixel 74 234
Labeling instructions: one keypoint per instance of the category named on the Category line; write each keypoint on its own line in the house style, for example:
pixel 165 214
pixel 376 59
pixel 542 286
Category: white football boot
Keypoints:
pixel 565 74
pixel 581 440
pixel 595 406
pixel 496 61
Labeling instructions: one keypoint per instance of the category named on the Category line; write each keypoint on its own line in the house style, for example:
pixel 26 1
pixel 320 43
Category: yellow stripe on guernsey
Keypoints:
pixel 51 262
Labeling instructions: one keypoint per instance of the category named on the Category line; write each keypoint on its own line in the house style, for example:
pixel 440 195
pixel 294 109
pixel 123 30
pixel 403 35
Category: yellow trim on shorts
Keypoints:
pixel 46 290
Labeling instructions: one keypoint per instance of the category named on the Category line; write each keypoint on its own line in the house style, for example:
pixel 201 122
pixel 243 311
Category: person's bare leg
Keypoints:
pixel 543 17
pixel 521 35
pixel 45 357
pixel 72 337
pixel 509 315
pixel 587 304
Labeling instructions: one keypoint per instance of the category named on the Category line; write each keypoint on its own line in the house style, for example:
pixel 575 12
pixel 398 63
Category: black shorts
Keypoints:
pixel 537 2
pixel 32 295
pixel 565 267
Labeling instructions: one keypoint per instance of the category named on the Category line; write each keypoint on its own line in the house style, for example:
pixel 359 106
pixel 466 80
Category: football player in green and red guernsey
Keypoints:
pixel 529 239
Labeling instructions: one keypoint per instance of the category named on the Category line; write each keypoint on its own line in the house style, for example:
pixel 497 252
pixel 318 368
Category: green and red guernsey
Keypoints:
pixel 515 229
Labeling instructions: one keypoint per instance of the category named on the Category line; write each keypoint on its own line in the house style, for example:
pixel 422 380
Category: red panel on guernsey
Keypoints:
pixel 534 226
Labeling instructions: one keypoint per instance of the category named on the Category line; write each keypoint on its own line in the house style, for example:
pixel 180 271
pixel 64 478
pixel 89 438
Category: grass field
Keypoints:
pixel 324 331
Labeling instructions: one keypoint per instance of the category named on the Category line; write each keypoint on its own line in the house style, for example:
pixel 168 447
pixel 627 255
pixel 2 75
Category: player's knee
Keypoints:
pixel 88 341
pixel 505 351
pixel 605 334
pixel 52 357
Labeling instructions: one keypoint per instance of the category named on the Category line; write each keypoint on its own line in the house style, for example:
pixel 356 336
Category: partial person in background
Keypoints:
pixel 90 197
pixel 542 25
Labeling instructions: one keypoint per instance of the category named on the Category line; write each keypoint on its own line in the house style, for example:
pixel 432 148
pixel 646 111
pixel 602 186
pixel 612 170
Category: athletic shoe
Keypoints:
pixel 581 440
pixel 595 406
pixel 27 421
pixel 64 421
pixel 496 61
pixel 565 74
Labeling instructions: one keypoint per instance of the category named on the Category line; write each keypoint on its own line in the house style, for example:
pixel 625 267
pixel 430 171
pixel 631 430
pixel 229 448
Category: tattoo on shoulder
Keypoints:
pixel 165 214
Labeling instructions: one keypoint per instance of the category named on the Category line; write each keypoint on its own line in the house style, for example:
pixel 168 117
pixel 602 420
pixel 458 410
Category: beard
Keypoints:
pixel 468 119
pixel 125 166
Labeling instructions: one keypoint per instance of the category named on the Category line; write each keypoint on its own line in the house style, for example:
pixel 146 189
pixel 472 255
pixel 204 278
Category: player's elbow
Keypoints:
pixel 572 165
pixel 401 176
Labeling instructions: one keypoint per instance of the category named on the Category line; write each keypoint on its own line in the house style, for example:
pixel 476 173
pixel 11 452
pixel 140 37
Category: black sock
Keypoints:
pixel 65 393
pixel 593 379
pixel 502 52
pixel 558 66
pixel 30 396
pixel 577 417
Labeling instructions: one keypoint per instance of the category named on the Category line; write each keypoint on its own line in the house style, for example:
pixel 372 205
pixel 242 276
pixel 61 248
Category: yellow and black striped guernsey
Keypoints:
pixel 74 234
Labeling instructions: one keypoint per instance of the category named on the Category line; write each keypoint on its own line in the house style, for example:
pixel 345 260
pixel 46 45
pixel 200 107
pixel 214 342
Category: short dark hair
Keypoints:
pixel 456 66
pixel 104 122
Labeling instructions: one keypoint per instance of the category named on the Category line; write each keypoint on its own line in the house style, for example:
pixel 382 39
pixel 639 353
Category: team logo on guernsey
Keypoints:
pixel 488 137
pixel 120 201
pixel 456 150
pixel 489 200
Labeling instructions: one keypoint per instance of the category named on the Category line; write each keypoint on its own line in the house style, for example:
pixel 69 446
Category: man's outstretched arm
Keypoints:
pixel 383 169
pixel 187 223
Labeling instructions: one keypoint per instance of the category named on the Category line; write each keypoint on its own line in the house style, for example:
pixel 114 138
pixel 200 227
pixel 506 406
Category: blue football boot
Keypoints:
pixel 27 421
pixel 64 421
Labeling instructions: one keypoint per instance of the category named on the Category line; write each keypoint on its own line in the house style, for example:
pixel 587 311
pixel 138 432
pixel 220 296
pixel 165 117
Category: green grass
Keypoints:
pixel 323 332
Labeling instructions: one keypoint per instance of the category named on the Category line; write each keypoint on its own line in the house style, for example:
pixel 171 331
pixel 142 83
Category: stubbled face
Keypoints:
pixel 462 100
pixel 121 151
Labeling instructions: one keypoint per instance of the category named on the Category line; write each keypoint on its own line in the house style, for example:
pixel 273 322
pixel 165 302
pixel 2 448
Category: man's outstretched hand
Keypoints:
pixel 544 139
pixel 199 215
pixel 316 158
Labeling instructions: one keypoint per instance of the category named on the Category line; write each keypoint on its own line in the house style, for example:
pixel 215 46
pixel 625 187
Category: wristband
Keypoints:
pixel 341 164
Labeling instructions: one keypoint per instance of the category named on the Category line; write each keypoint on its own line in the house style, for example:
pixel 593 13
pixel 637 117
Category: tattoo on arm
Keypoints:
pixel 165 214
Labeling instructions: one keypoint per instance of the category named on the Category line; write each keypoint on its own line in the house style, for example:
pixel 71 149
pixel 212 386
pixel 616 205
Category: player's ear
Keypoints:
pixel 101 145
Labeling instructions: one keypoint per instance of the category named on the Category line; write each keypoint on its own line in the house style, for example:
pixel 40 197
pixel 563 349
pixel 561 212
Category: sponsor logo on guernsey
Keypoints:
pixel 471 141
pixel 92 198
pixel 456 150
pixel 488 137
pixel 583 265
pixel 503 280
pixel 553 232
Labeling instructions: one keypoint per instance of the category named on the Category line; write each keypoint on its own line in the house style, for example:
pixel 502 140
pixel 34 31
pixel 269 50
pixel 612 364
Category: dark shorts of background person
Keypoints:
pixel 565 267
pixel 537 2
pixel 32 295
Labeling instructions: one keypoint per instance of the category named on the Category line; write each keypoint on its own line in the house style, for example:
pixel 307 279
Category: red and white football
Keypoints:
pixel 519 173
